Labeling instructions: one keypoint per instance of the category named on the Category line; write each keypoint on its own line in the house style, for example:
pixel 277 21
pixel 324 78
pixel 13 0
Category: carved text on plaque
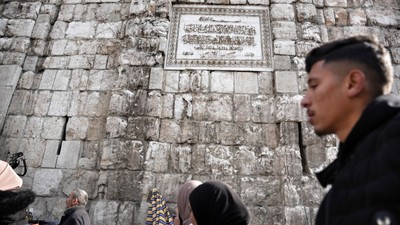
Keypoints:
pixel 219 38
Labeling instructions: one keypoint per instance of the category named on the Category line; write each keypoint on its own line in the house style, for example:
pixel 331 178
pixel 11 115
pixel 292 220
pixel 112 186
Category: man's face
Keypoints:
pixel 71 201
pixel 324 99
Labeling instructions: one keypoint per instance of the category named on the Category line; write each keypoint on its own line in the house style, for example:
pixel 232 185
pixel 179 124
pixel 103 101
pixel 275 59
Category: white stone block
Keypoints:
pixel 9 75
pixel 283 12
pixel 45 181
pixel 336 3
pixel 62 79
pixel 81 30
pixel 59 47
pixel 108 30
pixel 50 154
pixel 48 78
pixel 60 103
pixel 284 30
pixel 171 81
pixel 286 82
pixel 156 78
pixel 222 82
pixel 53 127
pixel 246 82
pixel 21 27
pixel 69 154
pixel 284 47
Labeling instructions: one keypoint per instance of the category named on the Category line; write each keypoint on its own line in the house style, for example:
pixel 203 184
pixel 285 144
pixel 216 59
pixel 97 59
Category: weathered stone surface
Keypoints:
pixel 282 12
pixel 384 18
pixel 284 30
pixel 123 184
pixel 119 154
pixel 306 12
pixel 47 181
pixel 93 87
pixel 284 47
pixel 246 83
pixel 215 107
pixel 286 82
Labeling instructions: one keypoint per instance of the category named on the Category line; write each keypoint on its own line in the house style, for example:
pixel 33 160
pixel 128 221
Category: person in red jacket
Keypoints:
pixel 349 86
pixel 76 214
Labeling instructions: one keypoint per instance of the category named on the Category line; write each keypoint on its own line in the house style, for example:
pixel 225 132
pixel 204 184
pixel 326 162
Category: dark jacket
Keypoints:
pixel 365 176
pixel 76 215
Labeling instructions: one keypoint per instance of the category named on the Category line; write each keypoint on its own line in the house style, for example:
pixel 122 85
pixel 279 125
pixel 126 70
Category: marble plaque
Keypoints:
pixel 219 38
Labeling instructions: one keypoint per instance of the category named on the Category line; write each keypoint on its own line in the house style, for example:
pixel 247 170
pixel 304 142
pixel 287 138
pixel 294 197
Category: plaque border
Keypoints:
pixel 265 64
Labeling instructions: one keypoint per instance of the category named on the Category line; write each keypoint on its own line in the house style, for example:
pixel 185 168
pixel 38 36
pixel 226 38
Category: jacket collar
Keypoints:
pixel 378 112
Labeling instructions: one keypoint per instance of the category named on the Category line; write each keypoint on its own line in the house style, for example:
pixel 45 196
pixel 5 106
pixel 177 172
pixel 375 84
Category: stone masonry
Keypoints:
pixel 85 97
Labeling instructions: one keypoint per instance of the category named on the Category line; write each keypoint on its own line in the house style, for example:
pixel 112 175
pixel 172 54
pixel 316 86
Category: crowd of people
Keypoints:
pixel 348 95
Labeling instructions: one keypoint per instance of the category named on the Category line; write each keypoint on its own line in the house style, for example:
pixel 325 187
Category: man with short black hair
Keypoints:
pixel 349 85
pixel 75 214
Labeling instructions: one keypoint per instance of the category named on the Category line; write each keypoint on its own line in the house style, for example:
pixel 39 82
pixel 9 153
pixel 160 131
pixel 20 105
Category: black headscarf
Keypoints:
pixel 215 203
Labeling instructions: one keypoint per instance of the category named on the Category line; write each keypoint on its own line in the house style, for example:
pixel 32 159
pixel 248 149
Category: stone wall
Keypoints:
pixel 84 95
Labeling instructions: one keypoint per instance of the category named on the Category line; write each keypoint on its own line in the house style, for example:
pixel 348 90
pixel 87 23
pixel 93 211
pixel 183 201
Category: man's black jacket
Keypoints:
pixel 365 176
pixel 76 215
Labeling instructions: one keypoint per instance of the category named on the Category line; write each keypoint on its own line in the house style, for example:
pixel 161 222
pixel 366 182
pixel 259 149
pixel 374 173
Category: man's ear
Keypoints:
pixel 355 82
pixel 75 201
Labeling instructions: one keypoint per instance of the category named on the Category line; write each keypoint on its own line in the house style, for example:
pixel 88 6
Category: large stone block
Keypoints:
pixel 289 108
pixel 112 212
pixel 286 82
pixel 214 107
pixel 61 80
pixel 288 161
pixel 157 157
pixel 338 3
pixel 183 106
pixel 96 129
pixel 14 126
pixel 33 126
pixel 50 154
pixel 21 27
pixel 53 127
pixel 306 12
pixel 284 47
pixel 81 30
pixel 222 82
pixel 23 10
pixel 47 181
pixel 42 103
pixel 246 82
pixel 123 185
pixel 76 128
pixel 119 154
pixel 143 128
pixel 263 109
pixel 109 30
pixel 33 149
pixel 60 103
pixel 284 30
pixel 22 102
pixel 282 12
pixel 69 154
pixel 263 190
pixel 219 159
pixel 181 158
pixel 242 108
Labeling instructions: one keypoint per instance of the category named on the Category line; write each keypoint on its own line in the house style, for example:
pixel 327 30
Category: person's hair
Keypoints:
pixel 364 52
pixel 81 195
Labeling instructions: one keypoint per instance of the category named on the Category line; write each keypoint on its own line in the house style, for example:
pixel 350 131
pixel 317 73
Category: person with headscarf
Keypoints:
pixel 182 209
pixel 13 201
pixel 215 203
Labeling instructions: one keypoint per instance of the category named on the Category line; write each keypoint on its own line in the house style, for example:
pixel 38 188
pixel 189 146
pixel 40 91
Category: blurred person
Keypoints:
pixel 183 209
pixel 215 203
pixel 349 85
pixel 75 213
pixel 13 201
